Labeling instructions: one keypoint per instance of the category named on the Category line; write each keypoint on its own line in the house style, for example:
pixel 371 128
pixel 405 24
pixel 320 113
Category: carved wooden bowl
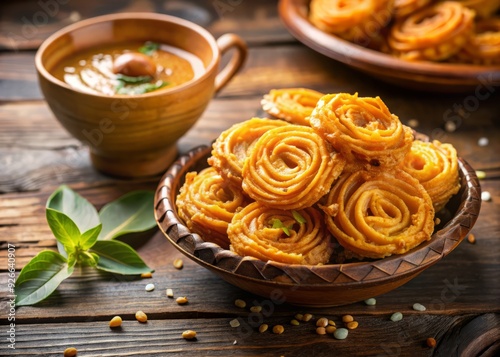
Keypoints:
pixel 419 75
pixel 315 286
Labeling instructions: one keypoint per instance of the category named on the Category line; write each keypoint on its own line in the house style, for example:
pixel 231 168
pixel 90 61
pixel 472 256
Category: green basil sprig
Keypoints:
pixel 86 237
pixel 149 48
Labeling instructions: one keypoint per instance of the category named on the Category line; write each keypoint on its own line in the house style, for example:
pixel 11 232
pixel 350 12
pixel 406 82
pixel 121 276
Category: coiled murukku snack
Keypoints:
pixel 435 166
pixel 290 167
pixel 483 8
pixel 206 203
pixel 290 237
pixel 434 33
pixel 377 214
pixel 362 129
pixel 291 104
pixel 356 20
pixel 232 146
pixel 483 47
pixel 403 8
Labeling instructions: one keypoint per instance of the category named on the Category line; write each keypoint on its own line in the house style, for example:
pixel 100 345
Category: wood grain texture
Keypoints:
pixel 215 337
pixel 37 155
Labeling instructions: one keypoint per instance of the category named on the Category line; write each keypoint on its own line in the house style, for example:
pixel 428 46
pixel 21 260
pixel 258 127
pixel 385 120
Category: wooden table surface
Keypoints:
pixel 461 292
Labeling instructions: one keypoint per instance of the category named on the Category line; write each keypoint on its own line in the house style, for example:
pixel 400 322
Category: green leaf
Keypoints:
pixel 140 88
pixel 118 257
pixel 81 211
pixel 64 229
pixel 88 238
pixel 131 213
pixel 149 48
pixel 40 277
pixel 278 224
pixel 133 80
pixel 87 258
pixel 298 217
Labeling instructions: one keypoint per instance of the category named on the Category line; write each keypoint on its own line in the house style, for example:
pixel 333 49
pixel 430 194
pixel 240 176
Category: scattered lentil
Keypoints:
pixel 170 293
pixel 371 301
pixel 450 126
pixel 278 329
pixel 352 325
pixel 234 323
pixel 485 196
pixel 307 317
pixel 413 123
pixel 182 300
pixel 141 316
pixel 256 308
pixel 330 329
pixel 480 174
pixel 471 238
pixel 263 328
pixel 397 316
pixel 483 141
pixel 419 307
pixel 115 322
pixel 437 220
pixel 431 342
pixel 341 333
pixel 294 322
pixel 146 275
pixel 178 263
pixel 189 334
pixel 322 322
pixel 299 317
pixel 240 303
pixel 235 342
pixel 70 352
pixel 347 318
pixel 150 287
pixel 321 330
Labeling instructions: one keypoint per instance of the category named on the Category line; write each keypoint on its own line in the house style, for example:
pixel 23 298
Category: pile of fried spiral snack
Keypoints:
pixel 462 31
pixel 327 171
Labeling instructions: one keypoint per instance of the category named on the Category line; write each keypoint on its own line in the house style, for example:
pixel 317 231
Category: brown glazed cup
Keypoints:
pixel 135 136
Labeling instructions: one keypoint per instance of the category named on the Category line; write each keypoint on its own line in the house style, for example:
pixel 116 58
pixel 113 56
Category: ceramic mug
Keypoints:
pixel 135 135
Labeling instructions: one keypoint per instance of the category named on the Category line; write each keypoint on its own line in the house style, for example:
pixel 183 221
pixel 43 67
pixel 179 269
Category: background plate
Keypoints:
pixel 428 76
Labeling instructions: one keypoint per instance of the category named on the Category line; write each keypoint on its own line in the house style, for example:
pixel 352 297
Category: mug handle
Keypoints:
pixel 225 43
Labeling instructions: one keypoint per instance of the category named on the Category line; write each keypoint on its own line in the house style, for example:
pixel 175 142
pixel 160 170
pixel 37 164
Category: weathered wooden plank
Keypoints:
pixel 375 336
pixel 25 25
pixel 450 286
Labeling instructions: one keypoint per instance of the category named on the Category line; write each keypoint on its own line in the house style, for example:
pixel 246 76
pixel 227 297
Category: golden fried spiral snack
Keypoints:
pixel 291 104
pixel 377 214
pixel 290 167
pixel 231 148
pixel 483 8
pixel 435 166
pixel 434 33
pixel 273 234
pixel 207 203
pixel 362 129
pixel 403 8
pixel 483 48
pixel 355 20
